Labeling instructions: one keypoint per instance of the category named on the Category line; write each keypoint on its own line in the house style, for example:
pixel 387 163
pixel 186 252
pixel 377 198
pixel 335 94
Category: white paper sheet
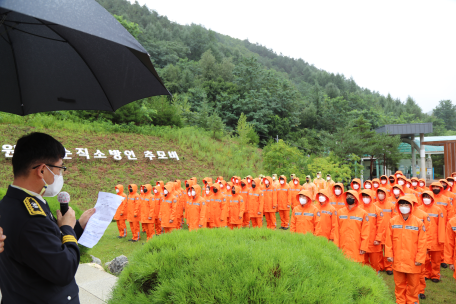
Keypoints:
pixel 106 207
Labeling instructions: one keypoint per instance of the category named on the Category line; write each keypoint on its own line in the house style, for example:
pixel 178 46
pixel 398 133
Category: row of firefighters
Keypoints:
pixel 393 224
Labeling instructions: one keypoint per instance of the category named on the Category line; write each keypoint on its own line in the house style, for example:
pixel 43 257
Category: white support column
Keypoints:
pixel 413 173
pixel 423 156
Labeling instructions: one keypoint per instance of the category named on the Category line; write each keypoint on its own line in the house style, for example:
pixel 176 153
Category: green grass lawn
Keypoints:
pixel 110 247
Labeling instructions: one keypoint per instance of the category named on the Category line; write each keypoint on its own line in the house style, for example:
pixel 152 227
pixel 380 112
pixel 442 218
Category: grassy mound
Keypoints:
pixel 245 266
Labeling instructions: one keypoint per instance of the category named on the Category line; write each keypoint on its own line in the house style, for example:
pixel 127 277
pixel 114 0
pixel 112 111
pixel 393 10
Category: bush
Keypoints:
pixel 245 266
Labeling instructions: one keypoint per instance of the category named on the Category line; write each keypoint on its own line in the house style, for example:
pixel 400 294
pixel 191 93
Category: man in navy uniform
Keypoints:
pixel 41 253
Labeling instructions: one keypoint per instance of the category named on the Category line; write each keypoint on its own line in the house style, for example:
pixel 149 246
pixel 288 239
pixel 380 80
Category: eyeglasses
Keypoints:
pixel 62 168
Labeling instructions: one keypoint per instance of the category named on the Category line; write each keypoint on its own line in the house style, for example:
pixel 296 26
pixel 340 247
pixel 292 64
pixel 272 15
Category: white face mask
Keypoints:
pixel 366 200
pixel 383 181
pixel 193 193
pixel 356 186
pixel 396 191
pixel 337 191
pixel 142 191
pixel 237 181
pixel 376 185
pixel 421 184
pixel 228 187
pixel 221 185
pixel 318 176
pixel 166 192
pixel 368 186
pixel 328 178
pixel 397 175
pixel 427 201
pixel 408 185
pixel 414 184
pixel 189 193
pixel 381 196
pixel 248 180
pixel 273 178
pixel 404 210
pixel 302 200
pixel 295 182
pixel 266 182
pixel 155 191
pixel 401 182
pixel 54 188
pixel 207 191
pixel 117 190
pixel 282 182
pixel 322 199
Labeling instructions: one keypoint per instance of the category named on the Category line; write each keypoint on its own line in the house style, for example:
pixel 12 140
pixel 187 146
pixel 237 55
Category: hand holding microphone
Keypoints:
pixel 65 216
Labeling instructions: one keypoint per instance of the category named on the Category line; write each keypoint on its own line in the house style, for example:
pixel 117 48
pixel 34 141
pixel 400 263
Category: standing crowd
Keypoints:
pixel 392 224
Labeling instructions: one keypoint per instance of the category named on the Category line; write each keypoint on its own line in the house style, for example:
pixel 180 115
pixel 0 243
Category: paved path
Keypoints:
pixel 94 284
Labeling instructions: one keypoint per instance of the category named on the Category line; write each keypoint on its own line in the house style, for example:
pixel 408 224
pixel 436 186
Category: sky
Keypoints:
pixel 405 48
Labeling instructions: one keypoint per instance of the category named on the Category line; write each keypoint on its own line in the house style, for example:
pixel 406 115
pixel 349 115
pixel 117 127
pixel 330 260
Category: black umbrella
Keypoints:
pixel 69 55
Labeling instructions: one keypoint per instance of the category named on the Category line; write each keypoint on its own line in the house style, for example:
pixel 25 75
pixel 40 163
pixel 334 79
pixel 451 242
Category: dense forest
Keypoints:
pixel 215 79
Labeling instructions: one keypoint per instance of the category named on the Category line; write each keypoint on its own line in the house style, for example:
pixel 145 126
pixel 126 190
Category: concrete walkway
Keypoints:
pixel 95 285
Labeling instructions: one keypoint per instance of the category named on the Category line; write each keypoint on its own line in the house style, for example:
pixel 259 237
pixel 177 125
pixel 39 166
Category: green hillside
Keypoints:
pixel 199 155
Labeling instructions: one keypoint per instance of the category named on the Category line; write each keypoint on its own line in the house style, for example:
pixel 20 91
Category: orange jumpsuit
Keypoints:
pixel 337 201
pixel 373 255
pixel 196 217
pixel 358 181
pixel 284 202
pixel 389 180
pixel 121 213
pixel 309 186
pixel 161 184
pixel 422 185
pixel 450 247
pixel 327 225
pixel 443 201
pixel 436 234
pixel 245 195
pixel 216 208
pixel 304 218
pixel 228 187
pixel 319 183
pixel 141 200
pixel 157 198
pixel 148 212
pixel 256 204
pixel 132 217
pixel 406 244
pixel 388 210
pixel 168 206
pixel 236 208
pixel 352 234
pixel 375 186
pixel 182 198
pixel 295 188
pixel 270 202
pixel 384 183
pixel 330 184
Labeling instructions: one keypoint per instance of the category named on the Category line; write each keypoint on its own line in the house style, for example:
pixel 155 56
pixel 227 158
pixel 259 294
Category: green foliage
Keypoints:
pixel 283 159
pixel 245 266
pixel 245 131
pixel 447 112
pixel 131 27
pixel 330 165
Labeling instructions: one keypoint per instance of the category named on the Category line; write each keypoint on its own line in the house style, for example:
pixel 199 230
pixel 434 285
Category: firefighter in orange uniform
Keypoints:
pixel 309 186
pixel 245 195
pixel 168 208
pixel 384 183
pixel 157 198
pixel 236 208
pixel 373 255
pixel 270 202
pixel 305 216
pixel 133 204
pixel 121 213
pixel 356 185
pixel 147 211
pixel 256 204
pixel 352 235
pixel 388 210
pixel 295 188
pixel 337 200
pixel 327 225
pixel 284 202
pixel 196 217
pixel 319 182
pixel 450 247
pixel 406 249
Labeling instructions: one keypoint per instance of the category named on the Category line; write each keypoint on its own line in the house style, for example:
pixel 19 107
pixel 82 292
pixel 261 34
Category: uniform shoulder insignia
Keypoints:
pixel 335 212
pixel 318 213
pixel 224 199
pixel 381 214
pixel 429 219
pixel 441 214
pixel 33 207
pixel 367 218
pixel 424 229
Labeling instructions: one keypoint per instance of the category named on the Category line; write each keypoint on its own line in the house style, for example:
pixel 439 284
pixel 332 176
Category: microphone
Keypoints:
pixel 64 199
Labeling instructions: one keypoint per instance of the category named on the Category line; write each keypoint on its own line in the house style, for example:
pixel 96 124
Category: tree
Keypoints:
pixel 245 130
pixel 208 65
pixel 131 27
pixel 215 126
pixel 282 158
pixel 447 112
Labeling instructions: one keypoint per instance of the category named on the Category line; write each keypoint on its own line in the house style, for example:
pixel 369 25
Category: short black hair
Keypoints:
pixel 34 149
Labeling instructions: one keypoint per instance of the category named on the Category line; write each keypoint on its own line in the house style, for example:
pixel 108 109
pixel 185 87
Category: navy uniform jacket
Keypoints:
pixel 40 259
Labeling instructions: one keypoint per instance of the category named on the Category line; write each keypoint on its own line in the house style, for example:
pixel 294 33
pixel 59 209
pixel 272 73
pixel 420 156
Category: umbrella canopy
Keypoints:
pixel 69 55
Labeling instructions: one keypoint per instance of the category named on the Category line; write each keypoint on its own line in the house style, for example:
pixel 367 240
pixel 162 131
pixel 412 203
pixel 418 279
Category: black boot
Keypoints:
pixel 435 280
pixel 422 296
pixel 443 265
pixel 389 272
